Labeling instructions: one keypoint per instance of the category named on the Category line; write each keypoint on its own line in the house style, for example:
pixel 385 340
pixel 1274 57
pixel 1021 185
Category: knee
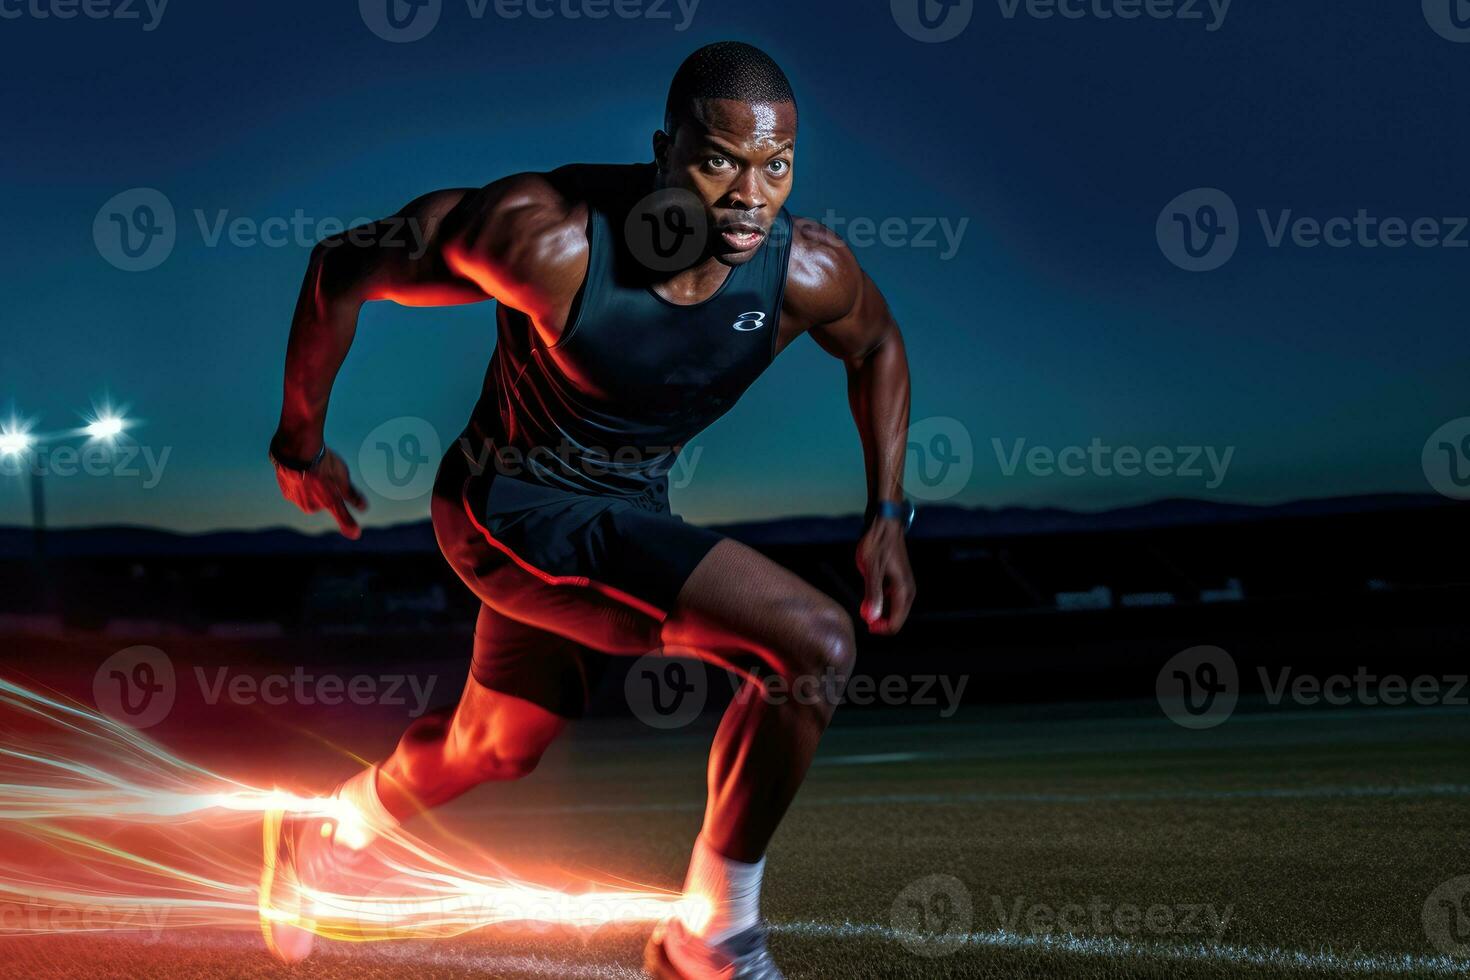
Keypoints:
pixel 481 754
pixel 827 644
pixel 498 763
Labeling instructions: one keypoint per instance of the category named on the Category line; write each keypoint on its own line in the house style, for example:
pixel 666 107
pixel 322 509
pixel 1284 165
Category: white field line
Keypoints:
pixel 1108 947
pixel 874 759
pixel 455 956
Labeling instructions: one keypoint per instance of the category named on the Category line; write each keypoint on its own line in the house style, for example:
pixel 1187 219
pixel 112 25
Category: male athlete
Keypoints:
pixel 553 507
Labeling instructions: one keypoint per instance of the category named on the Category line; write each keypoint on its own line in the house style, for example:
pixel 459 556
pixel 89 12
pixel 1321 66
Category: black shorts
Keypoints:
pixel 564 578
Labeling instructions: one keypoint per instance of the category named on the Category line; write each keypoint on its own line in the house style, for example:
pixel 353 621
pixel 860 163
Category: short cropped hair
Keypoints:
pixel 725 70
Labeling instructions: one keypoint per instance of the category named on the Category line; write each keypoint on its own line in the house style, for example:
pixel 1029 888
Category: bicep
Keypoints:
pixel 861 330
pixel 402 258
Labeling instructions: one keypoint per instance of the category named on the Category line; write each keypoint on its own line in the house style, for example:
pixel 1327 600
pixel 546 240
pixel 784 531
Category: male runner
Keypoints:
pixel 553 507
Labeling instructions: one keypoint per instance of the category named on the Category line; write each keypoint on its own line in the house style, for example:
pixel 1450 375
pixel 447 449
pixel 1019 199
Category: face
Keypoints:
pixel 736 157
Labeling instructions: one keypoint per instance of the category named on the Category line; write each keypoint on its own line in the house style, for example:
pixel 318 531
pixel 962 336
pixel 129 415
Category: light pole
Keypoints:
pixel 16 443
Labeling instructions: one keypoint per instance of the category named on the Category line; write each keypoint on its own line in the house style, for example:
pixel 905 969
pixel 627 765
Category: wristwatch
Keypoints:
pixel 899 510
pixel 286 462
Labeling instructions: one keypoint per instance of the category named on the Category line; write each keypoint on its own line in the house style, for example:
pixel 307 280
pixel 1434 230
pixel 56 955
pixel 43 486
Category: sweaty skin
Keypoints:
pixel 521 241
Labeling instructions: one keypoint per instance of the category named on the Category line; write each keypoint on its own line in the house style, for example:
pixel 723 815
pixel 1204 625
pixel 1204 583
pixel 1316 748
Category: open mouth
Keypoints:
pixel 742 237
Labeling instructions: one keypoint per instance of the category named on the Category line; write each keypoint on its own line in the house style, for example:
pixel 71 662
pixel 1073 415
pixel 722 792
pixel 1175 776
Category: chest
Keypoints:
pixel 641 350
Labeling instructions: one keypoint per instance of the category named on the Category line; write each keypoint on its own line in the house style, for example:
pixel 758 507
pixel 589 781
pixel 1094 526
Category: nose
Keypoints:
pixel 745 193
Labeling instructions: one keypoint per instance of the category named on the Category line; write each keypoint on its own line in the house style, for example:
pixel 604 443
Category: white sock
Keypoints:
pixel 361 791
pixel 732 888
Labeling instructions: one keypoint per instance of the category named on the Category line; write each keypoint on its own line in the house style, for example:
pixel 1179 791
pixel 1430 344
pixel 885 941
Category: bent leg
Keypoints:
pixel 734 607
pixel 742 612
pixel 741 608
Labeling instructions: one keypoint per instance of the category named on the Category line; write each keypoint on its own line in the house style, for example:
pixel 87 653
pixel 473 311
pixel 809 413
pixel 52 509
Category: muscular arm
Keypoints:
pixel 517 239
pixel 847 316
pixel 400 258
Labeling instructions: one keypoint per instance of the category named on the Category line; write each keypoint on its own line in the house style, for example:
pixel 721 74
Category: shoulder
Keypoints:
pixel 823 279
pixel 524 229
pixel 517 208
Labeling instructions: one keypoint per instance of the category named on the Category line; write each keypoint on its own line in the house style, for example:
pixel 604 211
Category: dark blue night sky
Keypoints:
pixel 1052 144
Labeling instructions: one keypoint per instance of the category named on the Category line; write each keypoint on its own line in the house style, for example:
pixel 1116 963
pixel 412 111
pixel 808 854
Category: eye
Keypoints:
pixel 778 167
pixel 718 162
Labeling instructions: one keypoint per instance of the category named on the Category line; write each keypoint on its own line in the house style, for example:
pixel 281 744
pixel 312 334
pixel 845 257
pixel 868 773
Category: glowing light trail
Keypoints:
pixel 101 829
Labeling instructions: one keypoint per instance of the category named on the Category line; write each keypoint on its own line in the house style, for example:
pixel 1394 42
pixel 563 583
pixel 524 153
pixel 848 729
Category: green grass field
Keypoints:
pixel 1084 842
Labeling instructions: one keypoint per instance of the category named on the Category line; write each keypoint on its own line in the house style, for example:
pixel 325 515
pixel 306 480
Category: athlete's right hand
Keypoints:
pixel 326 486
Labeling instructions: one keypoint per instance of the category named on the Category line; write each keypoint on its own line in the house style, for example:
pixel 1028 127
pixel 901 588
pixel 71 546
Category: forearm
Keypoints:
pixel 322 331
pixel 878 392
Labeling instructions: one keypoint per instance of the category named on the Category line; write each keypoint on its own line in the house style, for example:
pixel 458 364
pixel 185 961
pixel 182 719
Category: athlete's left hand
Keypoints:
pixel 883 558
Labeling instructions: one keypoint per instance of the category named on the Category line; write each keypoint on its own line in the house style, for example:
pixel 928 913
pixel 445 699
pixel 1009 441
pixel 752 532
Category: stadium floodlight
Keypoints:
pixel 106 426
pixel 14 441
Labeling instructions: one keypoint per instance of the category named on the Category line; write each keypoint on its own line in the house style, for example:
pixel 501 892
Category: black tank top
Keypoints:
pixel 608 407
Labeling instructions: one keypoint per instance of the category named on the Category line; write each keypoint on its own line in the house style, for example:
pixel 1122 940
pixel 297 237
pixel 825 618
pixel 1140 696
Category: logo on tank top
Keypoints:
pixel 750 321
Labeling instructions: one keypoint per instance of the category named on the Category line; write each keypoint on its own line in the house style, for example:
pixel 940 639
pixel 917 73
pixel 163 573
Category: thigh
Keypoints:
pixel 541 670
pixel 746 609
pixel 572 607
